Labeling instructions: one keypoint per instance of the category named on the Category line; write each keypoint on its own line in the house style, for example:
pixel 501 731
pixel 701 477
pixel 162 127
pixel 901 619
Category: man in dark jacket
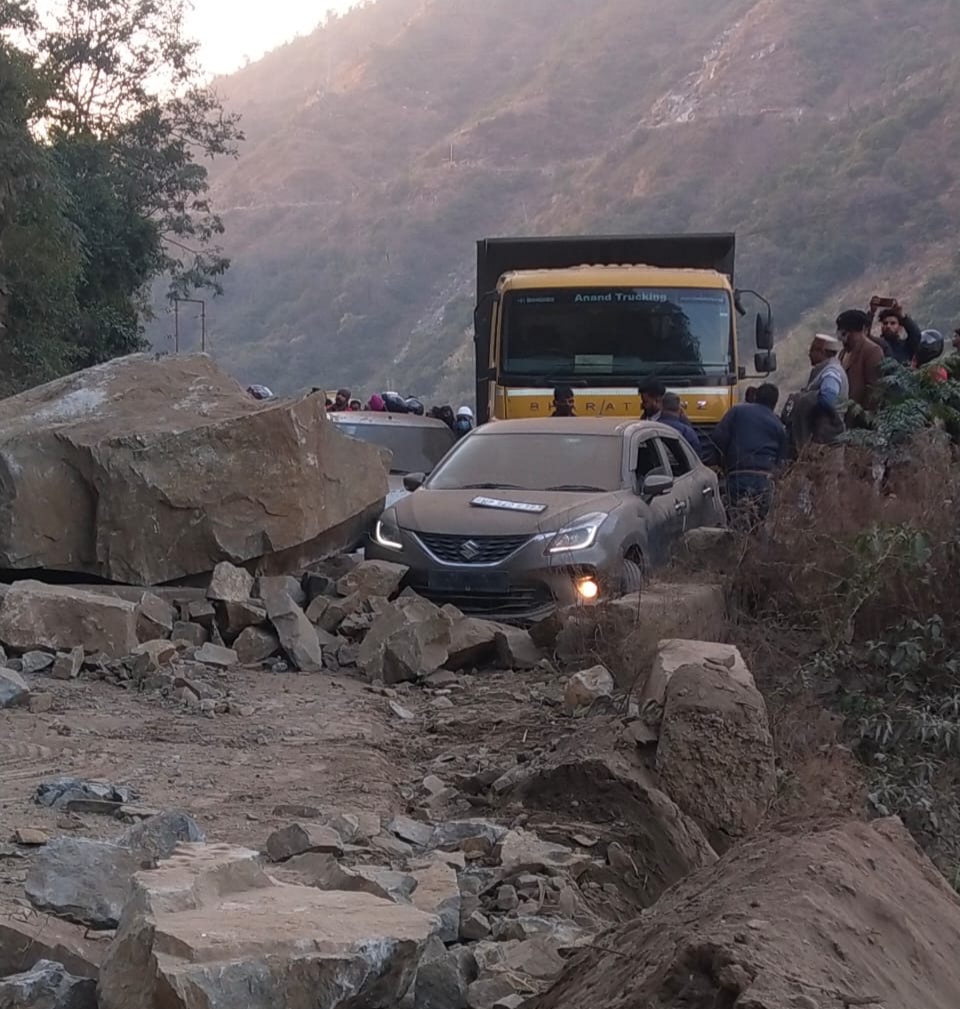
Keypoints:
pixel 753 444
pixel 670 414
pixel 899 334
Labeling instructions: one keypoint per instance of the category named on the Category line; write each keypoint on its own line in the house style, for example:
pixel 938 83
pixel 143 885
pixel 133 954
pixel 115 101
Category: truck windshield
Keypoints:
pixel 571 332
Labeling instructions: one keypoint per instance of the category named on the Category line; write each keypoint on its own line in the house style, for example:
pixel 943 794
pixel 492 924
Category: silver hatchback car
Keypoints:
pixel 523 515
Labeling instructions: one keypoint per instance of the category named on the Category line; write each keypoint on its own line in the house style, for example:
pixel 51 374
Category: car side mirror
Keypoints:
pixel 413 481
pixel 765 361
pixel 764 332
pixel 656 485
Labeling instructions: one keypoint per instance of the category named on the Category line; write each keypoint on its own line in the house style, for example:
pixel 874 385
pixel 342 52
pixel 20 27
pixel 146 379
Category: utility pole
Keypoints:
pixel 203 322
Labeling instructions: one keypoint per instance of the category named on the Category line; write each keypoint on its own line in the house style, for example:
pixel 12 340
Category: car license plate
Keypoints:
pixel 466 582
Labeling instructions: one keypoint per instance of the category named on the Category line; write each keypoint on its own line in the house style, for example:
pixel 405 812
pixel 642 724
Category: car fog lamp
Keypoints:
pixel 588 588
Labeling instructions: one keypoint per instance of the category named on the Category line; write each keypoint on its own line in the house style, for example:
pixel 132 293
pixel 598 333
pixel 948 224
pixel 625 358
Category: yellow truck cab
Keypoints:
pixel 603 315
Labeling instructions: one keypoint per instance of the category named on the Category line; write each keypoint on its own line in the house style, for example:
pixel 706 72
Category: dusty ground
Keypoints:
pixel 312 740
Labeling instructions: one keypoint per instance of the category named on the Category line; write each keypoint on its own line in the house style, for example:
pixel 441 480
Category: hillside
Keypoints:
pixel 381 146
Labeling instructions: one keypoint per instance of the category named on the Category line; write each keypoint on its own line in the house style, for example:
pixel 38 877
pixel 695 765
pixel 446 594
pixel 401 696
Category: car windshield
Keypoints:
pixel 537 461
pixel 569 333
pixel 415 449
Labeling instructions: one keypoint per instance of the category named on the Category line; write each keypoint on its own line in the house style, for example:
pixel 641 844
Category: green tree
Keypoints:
pixel 104 120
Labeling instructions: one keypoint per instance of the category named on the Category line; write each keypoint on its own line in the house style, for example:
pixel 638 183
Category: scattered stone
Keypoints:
pixel 516 650
pixel 298 838
pixel 32 837
pixel 230 584
pixel 586 687
pixel 404 714
pixel 256 644
pixel 155 617
pixel 54 617
pixel 675 653
pixel 454 833
pixel 67 665
pixel 236 617
pixel 443 977
pixel 433 784
pixel 14 692
pixel 192 634
pixel 210 921
pixel 475 926
pixel 347 655
pixel 156 654
pixel 438 892
pixel 641 734
pixel 316 584
pixel 510 1002
pixel 35 662
pixel 473 643
pixel 442 679
pixel 60 792
pixel 88 881
pixel 715 756
pixel 523 851
pixel 412 831
pixel 298 637
pixel 216 655
pixel 39 702
pixel 441 703
pixel 507 898
pixel 410 639
pixel 201 611
pixel 278 584
pixel 330 614
pixel 373 578
pixel 391 846
pixel 48 985
pixel 708 548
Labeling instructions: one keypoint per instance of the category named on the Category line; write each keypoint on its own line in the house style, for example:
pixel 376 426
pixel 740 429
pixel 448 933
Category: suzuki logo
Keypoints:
pixel 469 551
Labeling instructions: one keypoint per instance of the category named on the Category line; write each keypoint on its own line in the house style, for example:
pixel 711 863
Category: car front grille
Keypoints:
pixel 459 549
pixel 522 600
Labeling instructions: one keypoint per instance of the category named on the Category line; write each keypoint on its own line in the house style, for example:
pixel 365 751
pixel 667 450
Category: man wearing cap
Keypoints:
pixel 811 414
pixel 827 379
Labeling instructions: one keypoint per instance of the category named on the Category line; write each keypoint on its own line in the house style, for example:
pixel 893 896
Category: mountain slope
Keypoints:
pixel 384 144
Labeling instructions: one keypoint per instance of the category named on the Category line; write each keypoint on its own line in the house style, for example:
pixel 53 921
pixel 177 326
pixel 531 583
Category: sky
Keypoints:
pixel 231 31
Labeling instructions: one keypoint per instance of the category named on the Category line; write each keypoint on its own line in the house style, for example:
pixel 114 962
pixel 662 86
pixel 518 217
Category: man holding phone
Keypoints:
pixel 899 335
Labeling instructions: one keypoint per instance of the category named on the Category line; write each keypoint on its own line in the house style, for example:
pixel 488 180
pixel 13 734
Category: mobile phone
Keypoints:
pixel 886 302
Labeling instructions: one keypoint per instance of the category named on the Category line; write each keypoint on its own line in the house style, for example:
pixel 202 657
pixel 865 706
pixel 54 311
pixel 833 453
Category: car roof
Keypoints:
pixel 608 426
pixel 380 417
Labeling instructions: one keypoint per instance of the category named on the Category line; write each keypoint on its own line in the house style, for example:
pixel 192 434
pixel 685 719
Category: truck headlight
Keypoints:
pixel 386 533
pixel 579 535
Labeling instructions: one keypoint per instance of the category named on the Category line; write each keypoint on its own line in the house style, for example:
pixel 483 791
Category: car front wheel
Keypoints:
pixel 631 577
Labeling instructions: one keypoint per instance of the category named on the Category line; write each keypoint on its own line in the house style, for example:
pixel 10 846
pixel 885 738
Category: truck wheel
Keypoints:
pixel 631 578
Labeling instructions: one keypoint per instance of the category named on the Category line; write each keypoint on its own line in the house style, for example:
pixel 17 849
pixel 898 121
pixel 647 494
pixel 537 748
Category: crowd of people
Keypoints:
pixel 460 423
pixel 752 442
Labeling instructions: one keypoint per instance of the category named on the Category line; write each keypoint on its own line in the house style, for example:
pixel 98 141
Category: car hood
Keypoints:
pixel 451 511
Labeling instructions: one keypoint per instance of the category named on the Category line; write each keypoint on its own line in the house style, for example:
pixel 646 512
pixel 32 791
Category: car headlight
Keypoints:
pixel 386 533
pixel 580 534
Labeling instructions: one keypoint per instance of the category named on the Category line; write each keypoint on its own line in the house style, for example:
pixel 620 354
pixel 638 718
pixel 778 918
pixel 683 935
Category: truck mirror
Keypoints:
pixel 765 361
pixel 764 332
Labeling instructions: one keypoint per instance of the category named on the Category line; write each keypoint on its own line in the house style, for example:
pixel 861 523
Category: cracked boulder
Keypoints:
pixel 209 929
pixel 148 469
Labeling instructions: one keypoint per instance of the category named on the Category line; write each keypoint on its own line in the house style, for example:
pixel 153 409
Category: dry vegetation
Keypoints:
pixel 847 601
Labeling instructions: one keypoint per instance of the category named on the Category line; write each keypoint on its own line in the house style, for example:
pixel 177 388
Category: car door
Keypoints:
pixel 661 517
pixel 688 490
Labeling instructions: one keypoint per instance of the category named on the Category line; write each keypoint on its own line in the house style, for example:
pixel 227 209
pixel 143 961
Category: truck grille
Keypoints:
pixel 458 549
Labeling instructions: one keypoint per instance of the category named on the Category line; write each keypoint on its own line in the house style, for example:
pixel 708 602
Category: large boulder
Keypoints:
pixel 675 653
pixel 145 469
pixel 55 617
pixel 715 757
pixel 855 915
pixel 210 929
pixel 88 881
